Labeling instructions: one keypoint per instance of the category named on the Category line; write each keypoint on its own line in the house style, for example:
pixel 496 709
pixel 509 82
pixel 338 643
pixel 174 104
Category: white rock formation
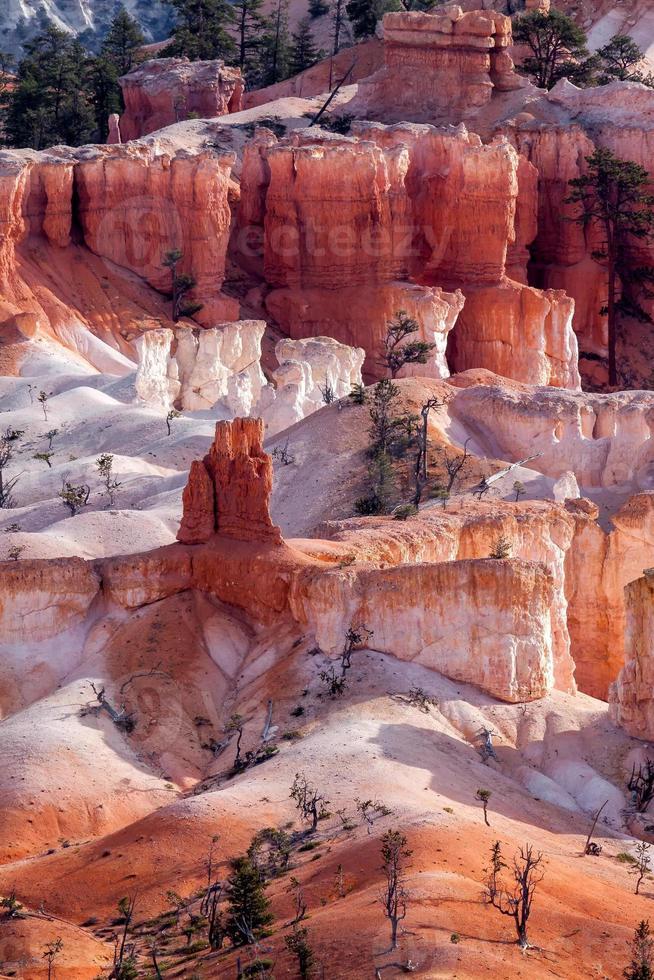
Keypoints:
pixel 307 369
pixel 200 369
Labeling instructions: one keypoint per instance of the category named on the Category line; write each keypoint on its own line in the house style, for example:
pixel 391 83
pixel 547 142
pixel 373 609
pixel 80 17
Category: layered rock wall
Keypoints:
pixel 140 201
pixel 420 209
pixel 446 64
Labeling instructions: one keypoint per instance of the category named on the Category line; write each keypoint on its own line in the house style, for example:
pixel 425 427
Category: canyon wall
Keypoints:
pixel 407 229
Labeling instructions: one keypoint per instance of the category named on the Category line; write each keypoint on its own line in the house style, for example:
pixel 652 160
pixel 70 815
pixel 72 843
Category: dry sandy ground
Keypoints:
pixel 372 743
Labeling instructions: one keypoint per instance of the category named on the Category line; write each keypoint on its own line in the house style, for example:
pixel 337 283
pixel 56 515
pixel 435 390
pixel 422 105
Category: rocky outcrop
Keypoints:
pixel 632 696
pixel 138 201
pixel 201 369
pixel 163 91
pixel 240 475
pixel 442 65
pixel 42 599
pixel 310 373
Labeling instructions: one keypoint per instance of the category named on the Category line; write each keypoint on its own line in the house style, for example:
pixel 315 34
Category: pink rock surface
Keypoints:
pixel 163 91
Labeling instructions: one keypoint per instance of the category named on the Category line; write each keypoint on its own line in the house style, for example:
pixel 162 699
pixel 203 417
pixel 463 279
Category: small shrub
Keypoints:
pixel 455 938
pixel 404 511
pixel 501 548
pixel 292 736
pixel 257 968
pixel 310 845
pixel 297 711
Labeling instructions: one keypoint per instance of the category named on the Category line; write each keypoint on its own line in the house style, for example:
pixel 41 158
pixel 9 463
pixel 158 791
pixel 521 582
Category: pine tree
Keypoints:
pixel 364 15
pixel 621 59
pixel 118 55
pixel 338 24
pixel 613 193
pixel 248 909
pixel 557 45
pixel 275 60
pixel 250 24
pixel 6 69
pixel 50 102
pixel 202 30
pixel 122 43
pixel 303 51
pixel 317 8
pixel 642 954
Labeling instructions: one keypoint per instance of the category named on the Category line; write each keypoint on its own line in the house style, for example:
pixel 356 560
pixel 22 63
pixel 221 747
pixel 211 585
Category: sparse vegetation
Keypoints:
pixel 501 548
pixel 515 900
pixel 104 465
pixel 45 457
pixel 308 800
pixel 642 863
pixel 395 896
pixel 170 417
pixel 484 795
pixel 181 284
pixel 75 496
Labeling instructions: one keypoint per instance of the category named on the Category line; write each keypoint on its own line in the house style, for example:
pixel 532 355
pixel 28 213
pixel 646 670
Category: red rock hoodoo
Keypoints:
pixel 228 493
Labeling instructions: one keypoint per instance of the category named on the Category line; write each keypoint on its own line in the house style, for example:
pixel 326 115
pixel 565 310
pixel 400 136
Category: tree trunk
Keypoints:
pixel 612 326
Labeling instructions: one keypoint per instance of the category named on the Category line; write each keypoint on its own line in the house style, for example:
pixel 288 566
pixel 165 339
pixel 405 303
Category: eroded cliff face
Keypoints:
pixel 140 201
pixel 631 699
pixel 129 206
pixel 411 198
pixel 164 91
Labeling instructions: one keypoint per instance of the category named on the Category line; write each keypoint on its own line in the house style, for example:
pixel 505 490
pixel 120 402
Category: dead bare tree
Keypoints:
pixel 6 485
pixel 454 465
pixel 516 900
pixel 308 800
pixel 596 817
pixel 394 896
pixel 641 784
pixel 643 863
pixel 122 953
pixel 296 890
pixel 121 717
pixel 51 952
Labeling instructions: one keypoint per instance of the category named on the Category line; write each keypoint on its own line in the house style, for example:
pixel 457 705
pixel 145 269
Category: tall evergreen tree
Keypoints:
pixel 248 909
pixel 250 29
pixel 642 954
pixel 613 194
pixel 6 80
pixel 338 25
pixel 202 31
pixel 317 8
pixel 122 42
pixel 50 102
pixel 364 15
pixel 119 53
pixel 304 52
pixel 557 45
pixel 276 50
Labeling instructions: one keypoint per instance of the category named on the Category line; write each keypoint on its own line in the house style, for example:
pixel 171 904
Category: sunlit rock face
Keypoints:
pixel 163 91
